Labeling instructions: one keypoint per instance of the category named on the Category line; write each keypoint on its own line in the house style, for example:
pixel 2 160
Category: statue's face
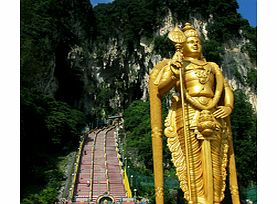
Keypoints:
pixel 192 47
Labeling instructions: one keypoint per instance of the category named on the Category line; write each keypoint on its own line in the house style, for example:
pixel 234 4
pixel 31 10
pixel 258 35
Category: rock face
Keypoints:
pixel 129 80
pixel 107 73
pixel 236 65
pixel 100 64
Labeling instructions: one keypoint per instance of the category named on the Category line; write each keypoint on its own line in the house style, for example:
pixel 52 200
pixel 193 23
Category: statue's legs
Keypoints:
pixel 200 184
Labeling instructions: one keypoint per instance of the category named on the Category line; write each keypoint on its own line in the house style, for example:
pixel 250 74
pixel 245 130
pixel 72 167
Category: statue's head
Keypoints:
pixel 192 45
pixel 187 41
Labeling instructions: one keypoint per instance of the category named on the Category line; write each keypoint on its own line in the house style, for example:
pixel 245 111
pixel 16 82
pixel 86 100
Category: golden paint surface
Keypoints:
pixel 197 127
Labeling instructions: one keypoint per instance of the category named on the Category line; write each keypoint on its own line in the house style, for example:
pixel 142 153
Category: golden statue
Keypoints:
pixel 198 124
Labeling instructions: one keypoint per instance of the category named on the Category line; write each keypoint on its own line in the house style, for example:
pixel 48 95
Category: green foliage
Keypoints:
pixel 139 146
pixel 251 79
pixel 177 8
pixel 163 46
pixel 128 20
pixel 49 128
pixel 222 7
pixel 238 75
pixel 63 121
pixel 226 24
pixel 225 28
pixel 212 51
pixel 49 193
pixel 48 31
pixel 251 49
pixel 244 127
pixel 51 89
pixel 137 126
pixel 250 46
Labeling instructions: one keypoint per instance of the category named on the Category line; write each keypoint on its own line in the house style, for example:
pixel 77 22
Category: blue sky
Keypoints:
pixel 247 8
pixel 94 2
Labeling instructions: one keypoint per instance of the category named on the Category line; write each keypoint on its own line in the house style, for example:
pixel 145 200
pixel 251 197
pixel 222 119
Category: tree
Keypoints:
pixel 245 139
pixel 52 86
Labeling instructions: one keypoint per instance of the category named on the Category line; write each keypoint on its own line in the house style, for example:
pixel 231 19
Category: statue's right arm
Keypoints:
pixel 167 81
pixel 162 77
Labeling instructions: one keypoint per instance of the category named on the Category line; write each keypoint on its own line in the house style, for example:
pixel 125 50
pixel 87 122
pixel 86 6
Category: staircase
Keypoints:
pixel 83 187
pixel 99 169
pixel 114 171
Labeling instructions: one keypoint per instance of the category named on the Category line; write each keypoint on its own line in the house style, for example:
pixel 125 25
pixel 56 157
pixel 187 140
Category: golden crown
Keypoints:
pixel 189 31
pixel 179 35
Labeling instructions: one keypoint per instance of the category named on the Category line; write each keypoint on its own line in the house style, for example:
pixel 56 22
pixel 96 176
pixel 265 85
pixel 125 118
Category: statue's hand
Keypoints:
pixel 175 66
pixel 222 112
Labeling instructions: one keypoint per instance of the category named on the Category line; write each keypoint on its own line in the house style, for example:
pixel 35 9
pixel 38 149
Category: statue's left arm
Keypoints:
pixel 229 96
pixel 226 110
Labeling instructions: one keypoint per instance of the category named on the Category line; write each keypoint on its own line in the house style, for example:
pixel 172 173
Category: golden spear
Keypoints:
pixel 177 36
pixel 184 129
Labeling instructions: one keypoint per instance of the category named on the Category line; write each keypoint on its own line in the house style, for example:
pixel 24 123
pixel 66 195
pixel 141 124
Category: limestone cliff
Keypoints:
pixel 125 73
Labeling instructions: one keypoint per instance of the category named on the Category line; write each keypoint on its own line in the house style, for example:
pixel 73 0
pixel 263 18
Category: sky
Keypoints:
pixel 247 9
pixel 95 2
